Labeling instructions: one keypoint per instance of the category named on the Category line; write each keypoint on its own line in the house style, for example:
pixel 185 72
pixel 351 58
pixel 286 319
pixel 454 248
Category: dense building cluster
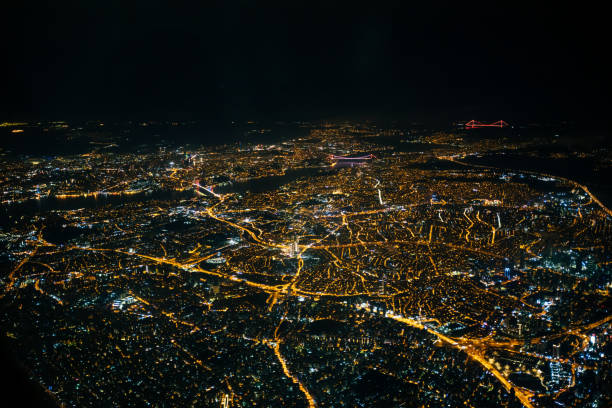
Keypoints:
pixel 272 273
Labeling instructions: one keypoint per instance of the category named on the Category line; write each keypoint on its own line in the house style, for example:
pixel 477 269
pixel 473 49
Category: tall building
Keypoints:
pixel 555 366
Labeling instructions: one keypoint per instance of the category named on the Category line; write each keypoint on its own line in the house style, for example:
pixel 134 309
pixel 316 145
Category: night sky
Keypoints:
pixel 297 60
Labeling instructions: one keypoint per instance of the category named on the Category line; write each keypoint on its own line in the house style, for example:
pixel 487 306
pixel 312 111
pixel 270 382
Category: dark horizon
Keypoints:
pixel 239 61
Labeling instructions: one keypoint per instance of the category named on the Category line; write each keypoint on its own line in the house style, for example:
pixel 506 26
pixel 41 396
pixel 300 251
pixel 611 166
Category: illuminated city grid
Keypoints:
pixel 289 274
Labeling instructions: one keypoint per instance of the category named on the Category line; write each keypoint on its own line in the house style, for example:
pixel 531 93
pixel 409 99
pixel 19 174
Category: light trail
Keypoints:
pixel 196 360
pixel 493 229
pixel 468 348
pixel 211 214
pixel 275 346
pixel 11 277
pixel 467 231
pixel 416 242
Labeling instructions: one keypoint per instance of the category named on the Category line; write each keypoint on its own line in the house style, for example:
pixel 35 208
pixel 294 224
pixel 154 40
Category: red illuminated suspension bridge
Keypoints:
pixel 359 158
pixel 472 124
